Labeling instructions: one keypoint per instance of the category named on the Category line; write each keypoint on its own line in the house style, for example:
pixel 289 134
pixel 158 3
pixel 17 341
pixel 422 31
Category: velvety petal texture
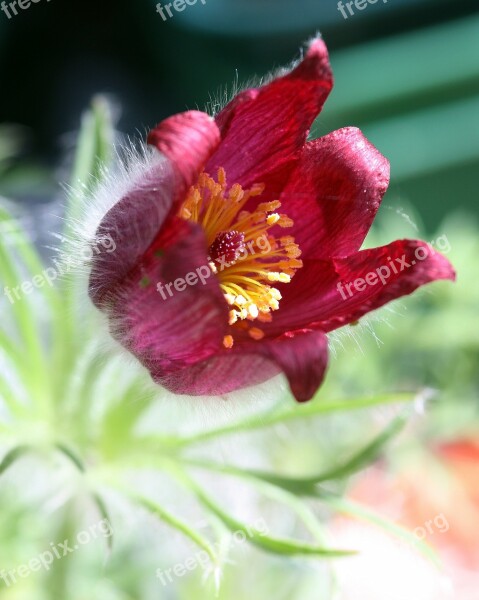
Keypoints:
pixel 170 328
pixel 188 140
pixel 301 355
pixel 328 294
pixel 165 295
pixel 338 185
pixel 134 222
pixel 267 127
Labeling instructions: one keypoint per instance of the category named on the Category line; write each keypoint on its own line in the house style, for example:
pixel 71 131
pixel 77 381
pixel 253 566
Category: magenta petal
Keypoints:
pixel 188 139
pixel 223 373
pixel 169 331
pixel 226 116
pixel 339 183
pixel 265 128
pixel 313 298
pixel 416 264
pixel 133 223
pixel 301 355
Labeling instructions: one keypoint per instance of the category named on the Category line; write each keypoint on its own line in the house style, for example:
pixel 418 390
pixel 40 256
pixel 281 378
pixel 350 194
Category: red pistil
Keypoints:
pixel 227 246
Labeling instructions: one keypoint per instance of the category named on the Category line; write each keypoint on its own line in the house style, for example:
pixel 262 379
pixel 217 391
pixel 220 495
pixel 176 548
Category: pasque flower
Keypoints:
pixel 223 185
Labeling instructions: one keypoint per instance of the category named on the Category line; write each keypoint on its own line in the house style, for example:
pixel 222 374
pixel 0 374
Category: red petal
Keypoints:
pixel 223 373
pixel 169 331
pixel 225 117
pixel 335 192
pixel 313 298
pixel 267 127
pixel 133 224
pixel 424 266
pixel 188 139
pixel 301 355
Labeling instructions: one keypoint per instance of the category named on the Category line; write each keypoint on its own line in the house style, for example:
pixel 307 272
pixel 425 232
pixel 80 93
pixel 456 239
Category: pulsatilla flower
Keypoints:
pixel 235 236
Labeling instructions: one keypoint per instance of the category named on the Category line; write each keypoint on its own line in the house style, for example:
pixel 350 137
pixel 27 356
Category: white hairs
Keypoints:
pixel 225 94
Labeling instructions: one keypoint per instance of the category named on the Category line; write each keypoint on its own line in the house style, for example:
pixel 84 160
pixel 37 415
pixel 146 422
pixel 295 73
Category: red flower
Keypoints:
pixel 206 287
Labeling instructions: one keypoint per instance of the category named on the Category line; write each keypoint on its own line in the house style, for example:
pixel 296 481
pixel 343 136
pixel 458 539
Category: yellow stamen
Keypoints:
pixel 282 277
pixel 273 219
pixel 228 341
pixel 285 221
pixel 230 299
pixel 256 333
pixel 265 317
pixel 254 257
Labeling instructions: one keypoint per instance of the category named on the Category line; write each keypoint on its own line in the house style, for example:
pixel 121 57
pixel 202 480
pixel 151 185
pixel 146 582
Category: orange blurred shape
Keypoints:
pixel 435 496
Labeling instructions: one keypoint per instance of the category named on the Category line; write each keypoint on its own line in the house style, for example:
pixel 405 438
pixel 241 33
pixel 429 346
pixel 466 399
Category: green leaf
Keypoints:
pixel 94 151
pixel 173 521
pixel 256 537
pixel 364 457
pixel 25 315
pixel 121 418
pixel 24 247
pixel 288 488
pixel 297 505
pixel 12 456
pixel 306 485
pixel 105 515
pixel 316 408
pixel 11 350
pixel 72 457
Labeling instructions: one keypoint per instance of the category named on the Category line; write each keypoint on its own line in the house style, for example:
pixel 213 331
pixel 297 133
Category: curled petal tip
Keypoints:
pixel 188 140
pixel 315 64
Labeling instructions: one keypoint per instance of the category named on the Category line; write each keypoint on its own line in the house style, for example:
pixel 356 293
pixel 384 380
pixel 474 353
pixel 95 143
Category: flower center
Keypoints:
pixel 228 244
pixel 244 253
